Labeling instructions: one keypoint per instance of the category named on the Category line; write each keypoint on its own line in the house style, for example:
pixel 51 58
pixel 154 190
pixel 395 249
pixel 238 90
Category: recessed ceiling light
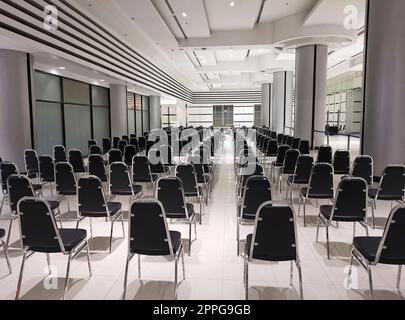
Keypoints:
pixel 102 80
pixel 62 68
pixel 184 14
pixel 232 3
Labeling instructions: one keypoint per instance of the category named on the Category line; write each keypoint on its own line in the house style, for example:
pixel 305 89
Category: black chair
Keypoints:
pixel 320 186
pixel 114 155
pixel 121 145
pixel 142 144
pixel 76 160
pixel 256 192
pixel 65 180
pixel 282 150
pixel 274 240
pixel 324 155
pixel 280 138
pixel 169 191
pixel 304 147
pixel 156 162
pixel 134 142
pixel 59 154
pixel 141 172
pixel 363 168
pixel 296 143
pixel 388 249
pixel 106 145
pixel 290 141
pixel 4 245
pixel 271 150
pixel 130 152
pixel 187 174
pixel 40 233
pixel 301 175
pixel 116 141
pixel 203 177
pixel 132 136
pixel 95 149
pixel 126 138
pixel 93 204
pixel 96 167
pixel 47 171
pixel 391 187
pixel 31 163
pixel 288 168
pixel 341 162
pixel 149 235
pixel 245 173
pixel 120 182
pixel 350 205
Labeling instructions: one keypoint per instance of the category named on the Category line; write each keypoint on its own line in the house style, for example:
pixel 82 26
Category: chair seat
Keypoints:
pixel 175 236
pixel 285 256
pixel 372 193
pixel 2 233
pixel 316 196
pixel 113 208
pixel 297 181
pixel 368 247
pixel 136 188
pixel 37 187
pixel 190 211
pixel 67 192
pixel 70 238
pixel 79 170
pixel 326 212
pixel 154 178
pixel 159 169
pixel 193 194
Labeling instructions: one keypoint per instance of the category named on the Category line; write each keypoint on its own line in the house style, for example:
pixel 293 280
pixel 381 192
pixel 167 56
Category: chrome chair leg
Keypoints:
pixel 246 264
pixel 126 277
pixel 327 240
pixel 67 276
pixel 9 232
pixel 88 259
pixel 370 280
pixel 189 239
pixel 18 291
pixel 7 258
pixel 139 266
pixel 48 260
pixel 111 234
pixel 300 281
pixel 373 213
pixel 317 230
pixel 237 237
pixel 399 277
pixel 292 273
pixel 175 276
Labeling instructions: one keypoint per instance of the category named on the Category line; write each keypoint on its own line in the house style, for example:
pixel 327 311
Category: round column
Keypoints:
pixel 282 102
pixel 266 104
pixel 119 113
pixel 155 113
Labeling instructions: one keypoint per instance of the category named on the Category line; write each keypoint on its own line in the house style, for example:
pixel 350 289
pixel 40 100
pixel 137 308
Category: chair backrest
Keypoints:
pixel 363 168
pixel 76 160
pixel 19 186
pixel 282 150
pixel 141 169
pixel 37 224
pixel 304 147
pixel 351 199
pixel 116 141
pixel 321 181
pixel 134 142
pixel 97 167
pixel 95 149
pixel 285 139
pixel 197 161
pixel 290 141
pixel 126 138
pixel 142 143
pixel 114 155
pixel 341 162
pixel 148 230
pixel 46 169
pixel 121 145
pixel 120 181
pixel 91 199
pixel 290 161
pixel 129 153
pixel 257 190
pixel 65 179
pixel 275 233
pixel 187 174
pixel 280 138
pixel 272 148
pixel 296 143
pixel 59 154
pixel 92 143
pixel 31 161
pixel 6 170
pixel 303 169
pixel 169 191
pixel 106 145
pixel 392 182
pixel 392 242
pixel 324 154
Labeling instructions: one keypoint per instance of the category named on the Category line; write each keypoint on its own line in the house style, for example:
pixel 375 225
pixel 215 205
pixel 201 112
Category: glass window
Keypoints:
pixel 47 87
pixel 138 102
pixel 145 120
pixel 49 130
pixel 101 123
pixel 76 92
pixel 100 96
pixel 139 131
pixel 77 127
pixel 131 113
pixel 145 103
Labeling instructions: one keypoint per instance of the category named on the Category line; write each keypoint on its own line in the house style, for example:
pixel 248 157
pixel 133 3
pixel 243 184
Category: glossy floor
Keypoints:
pixel 213 271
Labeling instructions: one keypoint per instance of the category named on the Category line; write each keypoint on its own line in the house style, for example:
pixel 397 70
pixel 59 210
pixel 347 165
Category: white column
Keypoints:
pixel 311 77
pixel 119 110
pixel 282 101
pixel 155 113
pixel 384 135
pixel 266 104
pixel 15 119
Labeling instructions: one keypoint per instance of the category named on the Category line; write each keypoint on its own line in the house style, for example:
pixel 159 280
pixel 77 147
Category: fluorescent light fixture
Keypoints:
pixel 102 80
pixel 62 68
pixel 184 14
pixel 232 3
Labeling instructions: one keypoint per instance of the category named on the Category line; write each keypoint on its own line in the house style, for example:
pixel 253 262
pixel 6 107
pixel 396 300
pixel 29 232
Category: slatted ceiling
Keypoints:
pixel 227 97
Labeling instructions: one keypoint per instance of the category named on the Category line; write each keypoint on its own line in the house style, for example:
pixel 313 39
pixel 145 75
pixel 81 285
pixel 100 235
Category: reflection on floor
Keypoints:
pixel 213 271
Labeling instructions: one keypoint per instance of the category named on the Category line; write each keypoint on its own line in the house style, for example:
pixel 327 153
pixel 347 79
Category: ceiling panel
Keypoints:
pixel 277 9
pixel 206 57
pixel 259 52
pixel 231 55
pixel 222 16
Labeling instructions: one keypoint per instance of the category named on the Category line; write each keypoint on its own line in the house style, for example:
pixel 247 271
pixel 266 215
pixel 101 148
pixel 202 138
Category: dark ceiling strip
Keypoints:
pixel 248 54
pixel 259 16
pixel 176 19
pixel 198 60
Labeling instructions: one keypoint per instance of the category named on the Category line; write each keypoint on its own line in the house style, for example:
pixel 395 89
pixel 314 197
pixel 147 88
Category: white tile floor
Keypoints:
pixel 213 271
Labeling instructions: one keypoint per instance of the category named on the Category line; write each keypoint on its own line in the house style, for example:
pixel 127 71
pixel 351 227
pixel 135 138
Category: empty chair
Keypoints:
pixel 132 136
pixel 115 144
pixel 149 235
pixel 274 240
pixel 129 152
pixel 304 147
pixel 4 245
pixel 320 185
pixel 59 154
pixel 141 172
pixel 290 141
pixel 40 234
pixel 203 178
pixel 121 145
pixel 280 138
pixel 142 143
pixel 324 155
pixel 114 155
pixel 187 174
pixel 47 171
pixel 65 180
pixel 285 139
pixel 76 160
pixel 279 162
pixel 95 149
pixel 31 163
pixel 245 174
pixel 170 192
pixel 271 150
pixel 97 168
pixel 388 249
pixel 288 168
pixel 91 143
pixel 391 187
pixel 156 162
pixel 106 145
pixel 256 192
pixel 126 138
pixel 120 182
pixel 341 162
pixel 301 174
pixel 134 142
pixel 93 204
pixel 350 205
pixel 363 168
pixel 295 143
